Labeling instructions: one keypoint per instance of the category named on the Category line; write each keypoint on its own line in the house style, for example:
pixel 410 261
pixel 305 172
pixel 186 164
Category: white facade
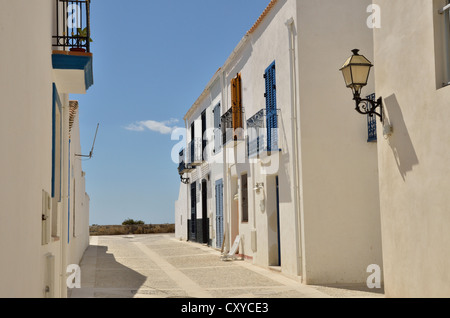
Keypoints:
pixel 339 199
pixel 78 216
pixel 323 223
pixel 410 68
pixel 181 215
pixel 34 221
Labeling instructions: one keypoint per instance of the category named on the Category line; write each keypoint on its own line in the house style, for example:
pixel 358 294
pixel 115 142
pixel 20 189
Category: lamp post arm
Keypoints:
pixel 366 106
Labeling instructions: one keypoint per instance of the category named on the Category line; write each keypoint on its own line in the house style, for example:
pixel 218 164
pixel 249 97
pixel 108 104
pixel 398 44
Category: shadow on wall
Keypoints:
pixel 400 141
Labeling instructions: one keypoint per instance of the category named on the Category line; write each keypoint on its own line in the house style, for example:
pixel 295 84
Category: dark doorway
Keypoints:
pixel 193 221
pixel 219 213
pixel 278 220
pixel 205 223
pixel 204 135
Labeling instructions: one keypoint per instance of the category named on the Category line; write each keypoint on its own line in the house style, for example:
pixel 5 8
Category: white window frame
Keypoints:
pixel 446 12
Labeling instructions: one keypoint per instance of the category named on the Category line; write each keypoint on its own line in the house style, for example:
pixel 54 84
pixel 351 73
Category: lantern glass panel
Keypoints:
pixel 360 74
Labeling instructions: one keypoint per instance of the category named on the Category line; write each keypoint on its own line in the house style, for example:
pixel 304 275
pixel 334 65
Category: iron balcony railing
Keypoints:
pixel 227 127
pixel 255 146
pixel 73 29
pixel 195 152
pixel 229 132
pixel 183 166
pixel 262 133
pixel 182 162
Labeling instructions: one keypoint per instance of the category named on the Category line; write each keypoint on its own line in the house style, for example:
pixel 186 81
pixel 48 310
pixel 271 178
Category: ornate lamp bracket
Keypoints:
pixel 184 180
pixel 368 106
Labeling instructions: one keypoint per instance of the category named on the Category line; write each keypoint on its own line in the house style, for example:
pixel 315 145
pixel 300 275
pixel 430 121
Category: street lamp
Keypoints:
pixel 356 74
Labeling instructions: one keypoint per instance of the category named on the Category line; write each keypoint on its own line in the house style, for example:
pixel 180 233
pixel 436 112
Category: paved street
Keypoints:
pixel 159 266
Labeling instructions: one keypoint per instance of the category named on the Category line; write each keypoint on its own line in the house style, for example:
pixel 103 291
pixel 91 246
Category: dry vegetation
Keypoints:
pixel 96 230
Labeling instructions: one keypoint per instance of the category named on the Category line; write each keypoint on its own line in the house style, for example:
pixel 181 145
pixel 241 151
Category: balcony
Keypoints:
pixel 184 167
pixel 71 56
pixel 195 152
pixel 73 30
pixel 232 131
pixel 262 134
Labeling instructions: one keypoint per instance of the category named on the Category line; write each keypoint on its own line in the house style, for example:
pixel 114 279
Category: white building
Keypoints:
pixel 43 205
pixel 411 71
pixel 295 177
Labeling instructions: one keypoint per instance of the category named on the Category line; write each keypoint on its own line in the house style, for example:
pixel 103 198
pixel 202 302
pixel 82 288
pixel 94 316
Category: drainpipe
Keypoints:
pixel 290 23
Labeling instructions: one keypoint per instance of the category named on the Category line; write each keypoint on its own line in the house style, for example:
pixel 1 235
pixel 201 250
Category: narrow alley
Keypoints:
pixel 159 266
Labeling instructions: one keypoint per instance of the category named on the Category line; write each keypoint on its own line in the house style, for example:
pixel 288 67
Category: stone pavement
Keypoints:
pixel 159 266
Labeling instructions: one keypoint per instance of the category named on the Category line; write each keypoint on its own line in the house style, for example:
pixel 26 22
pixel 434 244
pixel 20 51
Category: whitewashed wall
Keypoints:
pixel 269 43
pixel 339 201
pixel 26 160
pixel 414 161
pixel 79 199
pixel 25 140
pixel 328 188
pixel 181 213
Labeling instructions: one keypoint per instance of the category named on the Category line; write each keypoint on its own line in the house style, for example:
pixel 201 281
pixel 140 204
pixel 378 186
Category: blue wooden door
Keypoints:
pixel 219 213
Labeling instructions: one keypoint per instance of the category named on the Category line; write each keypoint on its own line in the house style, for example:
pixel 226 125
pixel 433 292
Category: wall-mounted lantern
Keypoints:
pixel 259 186
pixel 356 74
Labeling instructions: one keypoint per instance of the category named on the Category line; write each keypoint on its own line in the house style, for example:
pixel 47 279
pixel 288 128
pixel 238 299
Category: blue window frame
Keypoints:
pixel 371 124
pixel 271 108
pixel 217 129
pixel 56 145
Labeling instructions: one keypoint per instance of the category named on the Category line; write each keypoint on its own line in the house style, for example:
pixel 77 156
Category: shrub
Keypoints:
pixel 132 222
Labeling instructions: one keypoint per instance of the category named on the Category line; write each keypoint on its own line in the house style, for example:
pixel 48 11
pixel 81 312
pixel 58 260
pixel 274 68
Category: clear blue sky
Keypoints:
pixel 152 59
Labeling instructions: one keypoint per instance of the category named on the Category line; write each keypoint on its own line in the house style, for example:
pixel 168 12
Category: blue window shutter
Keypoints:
pixel 217 129
pixel 56 128
pixel 271 108
pixel 371 124
pixel 219 213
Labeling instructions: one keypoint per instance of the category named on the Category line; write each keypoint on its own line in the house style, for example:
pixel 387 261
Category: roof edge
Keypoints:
pixel 233 54
pixel 262 16
pixel 202 95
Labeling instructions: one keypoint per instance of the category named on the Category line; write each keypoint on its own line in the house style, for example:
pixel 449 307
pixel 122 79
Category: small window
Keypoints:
pixel 244 197
pixel 442 42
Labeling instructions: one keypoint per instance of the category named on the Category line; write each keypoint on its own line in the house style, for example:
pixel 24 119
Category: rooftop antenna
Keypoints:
pixel 92 149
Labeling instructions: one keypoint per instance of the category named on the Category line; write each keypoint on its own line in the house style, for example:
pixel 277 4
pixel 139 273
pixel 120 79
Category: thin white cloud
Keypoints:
pixel 163 127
